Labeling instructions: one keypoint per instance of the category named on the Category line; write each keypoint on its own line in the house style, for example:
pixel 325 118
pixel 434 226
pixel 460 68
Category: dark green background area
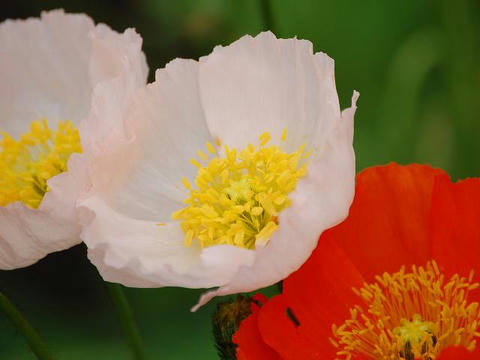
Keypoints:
pixel 415 63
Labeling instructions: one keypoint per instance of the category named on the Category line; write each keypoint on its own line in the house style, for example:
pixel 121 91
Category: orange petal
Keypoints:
pixel 388 222
pixel 248 338
pixel 317 295
pixel 458 353
pixel 455 226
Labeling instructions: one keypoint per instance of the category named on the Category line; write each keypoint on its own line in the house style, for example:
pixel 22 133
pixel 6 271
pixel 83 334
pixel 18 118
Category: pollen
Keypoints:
pixel 409 315
pixel 27 164
pixel 238 197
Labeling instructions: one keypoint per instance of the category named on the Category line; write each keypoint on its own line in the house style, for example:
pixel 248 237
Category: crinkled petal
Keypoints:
pixel 267 84
pixel 233 95
pixel 44 67
pixel 165 127
pixel 27 235
pixel 140 253
pixel 130 200
pixel 118 70
pixel 321 200
pixel 51 67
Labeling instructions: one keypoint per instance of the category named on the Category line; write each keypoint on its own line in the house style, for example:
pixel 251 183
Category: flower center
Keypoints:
pixel 410 316
pixel 27 164
pixel 239 196
pixel 415 338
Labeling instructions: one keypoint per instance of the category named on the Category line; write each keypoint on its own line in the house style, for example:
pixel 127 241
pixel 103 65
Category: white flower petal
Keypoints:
pixel 44 70
pixel 51 67
pixel 121 212
pixel 27 235
pixel 312 211
pixel 168 127
pixel 119 69
pixel 141 253
pixel 267 84
pixel 238 92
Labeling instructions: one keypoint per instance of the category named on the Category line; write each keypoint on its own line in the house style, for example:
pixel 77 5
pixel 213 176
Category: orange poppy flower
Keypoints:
pixel 395 280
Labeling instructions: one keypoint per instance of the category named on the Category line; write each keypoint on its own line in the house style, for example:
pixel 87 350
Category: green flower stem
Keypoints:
pixel 129 325
pixel 23 326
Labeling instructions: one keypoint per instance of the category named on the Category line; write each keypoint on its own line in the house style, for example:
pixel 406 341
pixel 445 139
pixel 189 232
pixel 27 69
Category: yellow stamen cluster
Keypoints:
pixel 240 196
pixel 410 316
pixel 27 164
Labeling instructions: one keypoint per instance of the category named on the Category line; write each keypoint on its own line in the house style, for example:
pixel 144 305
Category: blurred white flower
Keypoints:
pixel 230 169
pixel 52 69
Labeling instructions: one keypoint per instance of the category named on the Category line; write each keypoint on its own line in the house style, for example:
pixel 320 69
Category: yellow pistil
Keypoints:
pixel 410 316
pixel 239 196
pixel 27 164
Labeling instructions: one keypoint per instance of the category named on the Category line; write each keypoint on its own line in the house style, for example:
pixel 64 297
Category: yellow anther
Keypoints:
pixel 210 148
pixel 266 232
pixel 280 200
pixel 239 196
pixel 188 237
pixel 265 138
pixel 201 155
pixel 196 163
pixel 284 134
pixel 257 210
pixel 28 163
pixel 186 183
pixel 238 238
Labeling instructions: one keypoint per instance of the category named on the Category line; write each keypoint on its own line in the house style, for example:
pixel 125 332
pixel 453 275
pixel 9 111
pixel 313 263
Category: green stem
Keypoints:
pixel 23 326
pixel 129 325
pixel 266 10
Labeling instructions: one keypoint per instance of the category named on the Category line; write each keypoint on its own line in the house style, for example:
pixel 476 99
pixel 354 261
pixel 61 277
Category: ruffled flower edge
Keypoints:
pixel 27 235
pixel 144 263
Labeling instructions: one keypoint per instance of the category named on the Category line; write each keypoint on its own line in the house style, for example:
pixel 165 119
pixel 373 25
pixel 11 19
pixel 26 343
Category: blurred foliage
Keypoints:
pixel 414 63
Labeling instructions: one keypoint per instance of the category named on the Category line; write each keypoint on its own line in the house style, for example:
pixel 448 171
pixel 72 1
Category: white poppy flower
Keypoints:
pixel 51 69
pixel 231 168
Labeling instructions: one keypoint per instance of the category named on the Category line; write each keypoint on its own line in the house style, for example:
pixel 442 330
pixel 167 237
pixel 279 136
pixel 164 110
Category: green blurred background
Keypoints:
pixel 415 63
